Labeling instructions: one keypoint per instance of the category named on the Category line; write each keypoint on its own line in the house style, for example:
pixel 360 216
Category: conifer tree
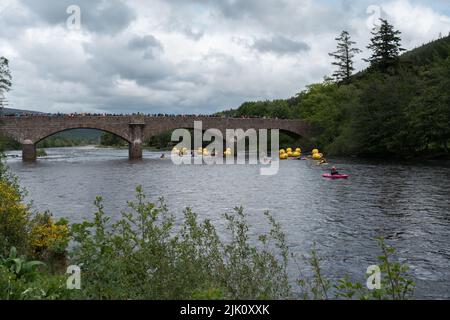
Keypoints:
pixel 5 80
pixel 385 45
pixel 344 57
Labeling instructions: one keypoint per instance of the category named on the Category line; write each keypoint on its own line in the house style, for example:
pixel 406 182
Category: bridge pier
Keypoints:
pixel 28 151
pixel 135 150
pixel 137 137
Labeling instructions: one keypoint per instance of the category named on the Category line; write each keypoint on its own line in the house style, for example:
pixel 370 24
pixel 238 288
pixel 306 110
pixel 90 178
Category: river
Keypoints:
pixel 406 202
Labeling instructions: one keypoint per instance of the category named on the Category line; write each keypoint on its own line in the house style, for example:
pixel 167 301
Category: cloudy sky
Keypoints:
pixel 187 56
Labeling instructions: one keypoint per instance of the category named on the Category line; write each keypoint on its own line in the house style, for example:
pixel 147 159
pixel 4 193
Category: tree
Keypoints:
pixel 5 80
pixel 5 76
pixel 344 57
pixel 385 46
pixel 111 140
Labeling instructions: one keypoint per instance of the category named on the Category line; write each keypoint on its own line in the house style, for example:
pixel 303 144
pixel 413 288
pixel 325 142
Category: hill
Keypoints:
pixel 10 111
pixel 403 113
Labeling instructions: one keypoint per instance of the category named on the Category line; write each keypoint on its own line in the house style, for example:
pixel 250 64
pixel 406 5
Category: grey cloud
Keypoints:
pixel 99 16
pixel 192 33
pixel 280 45
pixel 149 45
pixel 278 16
pixel 145 43
pixel 123 57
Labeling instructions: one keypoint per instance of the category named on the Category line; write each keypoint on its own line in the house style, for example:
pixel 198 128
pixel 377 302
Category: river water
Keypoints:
pixel 407 203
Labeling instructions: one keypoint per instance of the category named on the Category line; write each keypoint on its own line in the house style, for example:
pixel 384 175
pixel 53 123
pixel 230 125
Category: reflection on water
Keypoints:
pixel 406 203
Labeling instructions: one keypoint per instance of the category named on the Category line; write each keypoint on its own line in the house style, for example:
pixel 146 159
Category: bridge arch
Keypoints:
pixel 51 133
pixel 292 127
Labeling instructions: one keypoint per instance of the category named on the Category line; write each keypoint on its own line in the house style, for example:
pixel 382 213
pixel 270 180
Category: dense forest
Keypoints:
pixel 399 106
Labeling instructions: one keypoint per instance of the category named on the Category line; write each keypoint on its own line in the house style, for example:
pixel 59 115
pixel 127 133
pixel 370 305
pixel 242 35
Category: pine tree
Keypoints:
pixel 344 57
pixel 385 46
pixel 5 76
pixel 5 80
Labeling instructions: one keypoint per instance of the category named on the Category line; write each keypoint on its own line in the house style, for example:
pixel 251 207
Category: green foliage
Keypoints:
pixel 71 138
pixel 143 256
pixel 161 141
pixel 111 140
pixel 8 144
pixel 27 280
pixel 14 215
pixel 5 76
pixel 385 46
pixel 40 153
pixel 19 266
pixel 344 57
pixel 282 109
pixel 396 282
pixel 316 287
pixel 30 232
pixel 377 113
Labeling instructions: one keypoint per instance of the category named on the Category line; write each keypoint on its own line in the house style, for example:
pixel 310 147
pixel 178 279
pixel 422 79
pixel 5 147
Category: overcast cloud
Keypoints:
pixel 188 56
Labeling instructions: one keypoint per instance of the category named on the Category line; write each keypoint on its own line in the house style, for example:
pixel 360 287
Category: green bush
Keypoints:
pixel 143 256
pixel 14 215
pixel 22 280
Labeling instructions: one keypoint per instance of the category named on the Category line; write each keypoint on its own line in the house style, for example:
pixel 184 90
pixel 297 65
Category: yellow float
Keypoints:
pixel 283 156
pixel 288 150
pixel 317 156
pixel 315 151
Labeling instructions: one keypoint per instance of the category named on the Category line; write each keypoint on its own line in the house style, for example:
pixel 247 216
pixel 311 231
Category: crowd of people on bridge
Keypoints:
pixel 87 114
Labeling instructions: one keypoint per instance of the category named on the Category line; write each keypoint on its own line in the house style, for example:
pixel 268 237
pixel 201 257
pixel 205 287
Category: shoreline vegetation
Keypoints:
pixel 143 255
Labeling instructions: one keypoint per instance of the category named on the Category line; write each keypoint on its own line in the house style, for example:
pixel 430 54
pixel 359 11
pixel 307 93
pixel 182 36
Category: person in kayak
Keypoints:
pixel 334 171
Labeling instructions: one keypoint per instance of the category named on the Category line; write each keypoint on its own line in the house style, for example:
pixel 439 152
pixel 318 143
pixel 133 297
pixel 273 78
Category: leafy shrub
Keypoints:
pixel 19 266
pixel 21 279
pixel 14 215
pixel 48 236
pixel 143 256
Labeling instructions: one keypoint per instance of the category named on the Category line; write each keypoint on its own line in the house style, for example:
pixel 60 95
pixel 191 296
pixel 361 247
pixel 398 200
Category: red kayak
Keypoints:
pixel 335 176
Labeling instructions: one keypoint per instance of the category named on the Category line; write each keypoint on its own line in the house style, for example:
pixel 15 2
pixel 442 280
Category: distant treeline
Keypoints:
pixel 70 138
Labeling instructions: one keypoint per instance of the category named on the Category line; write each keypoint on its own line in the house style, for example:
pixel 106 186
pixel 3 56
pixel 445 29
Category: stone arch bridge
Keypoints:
pixel 29 130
